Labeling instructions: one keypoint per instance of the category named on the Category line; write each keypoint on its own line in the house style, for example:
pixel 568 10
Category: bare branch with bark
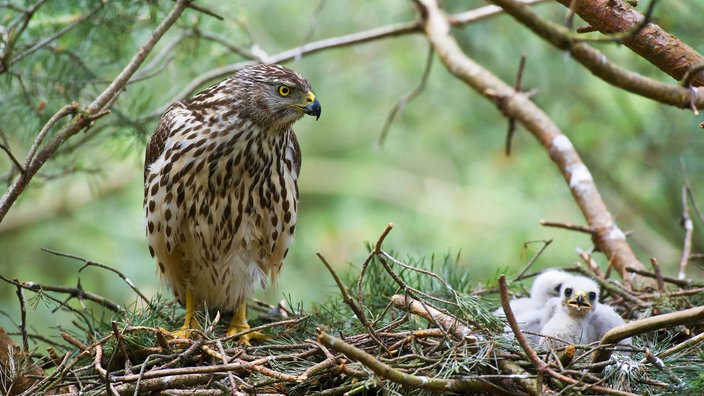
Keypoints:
pixel 607 236
pixel 598 63
pixel 652 42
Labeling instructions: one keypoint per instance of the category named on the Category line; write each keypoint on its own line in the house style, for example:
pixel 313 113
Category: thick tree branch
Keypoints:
pixel 599 65
pixel 641 326
pixel 559 36
pixel 607 236
pixel 659 47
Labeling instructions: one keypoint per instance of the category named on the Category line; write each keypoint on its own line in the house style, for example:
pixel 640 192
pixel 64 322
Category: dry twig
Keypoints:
pixel 688 226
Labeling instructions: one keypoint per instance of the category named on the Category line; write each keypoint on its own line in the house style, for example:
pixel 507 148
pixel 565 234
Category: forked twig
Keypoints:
pixel 91 263
pixel 533 259
pixel 350 302
pixel 511 120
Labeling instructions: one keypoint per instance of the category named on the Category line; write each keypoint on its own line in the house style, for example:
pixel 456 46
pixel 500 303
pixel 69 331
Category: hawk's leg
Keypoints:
pixel 189 324
pixel 239 324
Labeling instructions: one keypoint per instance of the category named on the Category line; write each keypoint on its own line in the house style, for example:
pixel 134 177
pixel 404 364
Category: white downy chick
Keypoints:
pixel 572 319
pixel 531 312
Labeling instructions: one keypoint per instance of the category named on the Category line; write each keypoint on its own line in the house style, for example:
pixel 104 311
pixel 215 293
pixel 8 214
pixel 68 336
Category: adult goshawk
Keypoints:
pixel 220 188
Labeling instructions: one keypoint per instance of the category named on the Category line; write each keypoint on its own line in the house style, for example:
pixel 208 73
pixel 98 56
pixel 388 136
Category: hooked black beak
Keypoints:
pixel 313 109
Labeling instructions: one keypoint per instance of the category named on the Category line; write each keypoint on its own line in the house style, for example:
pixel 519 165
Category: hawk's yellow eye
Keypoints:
pixel 284 90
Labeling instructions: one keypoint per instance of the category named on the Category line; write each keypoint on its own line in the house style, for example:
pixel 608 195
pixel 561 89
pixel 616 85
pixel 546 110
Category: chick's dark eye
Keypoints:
pixel 568 292
pixel 592 296
pixel 284 90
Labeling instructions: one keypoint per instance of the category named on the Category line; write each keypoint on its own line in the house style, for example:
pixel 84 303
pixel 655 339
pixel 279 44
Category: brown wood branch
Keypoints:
pixel 539 365
pixel 74 341
pixel 591 263
pixel 658 274
pixel 219 369
pixel 607 236
pixel 597 62
pixel 641 326
pixel 415 381
pixel 651 42
pixel 684 345
pixel 675 281
pixel 60 370
pixel 451 324
pixel 153 385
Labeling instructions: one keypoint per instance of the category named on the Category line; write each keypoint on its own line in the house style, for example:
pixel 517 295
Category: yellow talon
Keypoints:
pixel 190 325
pixel 239 324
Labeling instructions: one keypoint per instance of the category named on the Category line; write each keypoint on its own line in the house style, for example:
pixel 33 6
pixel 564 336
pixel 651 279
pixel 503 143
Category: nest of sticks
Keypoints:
pixel 407 328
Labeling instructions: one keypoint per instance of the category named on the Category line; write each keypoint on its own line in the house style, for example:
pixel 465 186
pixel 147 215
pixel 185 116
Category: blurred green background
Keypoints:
pixel 441 176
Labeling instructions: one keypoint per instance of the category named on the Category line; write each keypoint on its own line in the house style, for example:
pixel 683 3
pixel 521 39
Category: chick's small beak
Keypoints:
pixel 313 106
pixel 579 301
